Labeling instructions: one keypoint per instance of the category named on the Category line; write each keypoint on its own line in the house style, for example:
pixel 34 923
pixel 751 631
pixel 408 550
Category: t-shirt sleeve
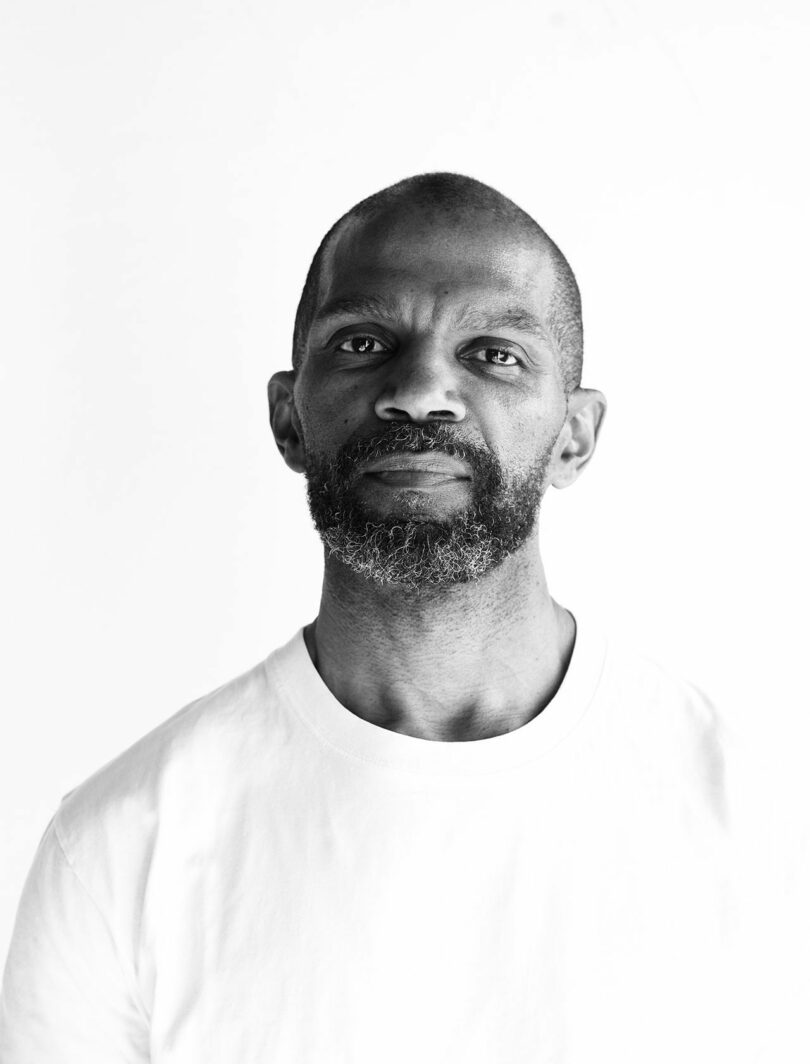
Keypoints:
pixel 67 997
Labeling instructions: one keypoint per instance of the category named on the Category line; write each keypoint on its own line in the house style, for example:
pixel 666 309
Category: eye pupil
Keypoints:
pixel 501 355
pixel 362 344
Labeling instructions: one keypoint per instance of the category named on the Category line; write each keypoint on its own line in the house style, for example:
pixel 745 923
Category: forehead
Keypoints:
pixel 413 256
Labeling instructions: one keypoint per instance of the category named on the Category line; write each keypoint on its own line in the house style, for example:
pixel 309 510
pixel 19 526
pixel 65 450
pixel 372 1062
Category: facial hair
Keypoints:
pixel 415 553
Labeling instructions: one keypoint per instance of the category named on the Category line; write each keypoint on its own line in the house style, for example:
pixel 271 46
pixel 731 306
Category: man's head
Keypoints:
pixel 437 320
pixel 448 196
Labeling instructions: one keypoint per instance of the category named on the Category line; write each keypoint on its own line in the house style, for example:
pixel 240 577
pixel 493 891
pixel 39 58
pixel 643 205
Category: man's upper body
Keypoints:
pixel 268 877
pixel 447 821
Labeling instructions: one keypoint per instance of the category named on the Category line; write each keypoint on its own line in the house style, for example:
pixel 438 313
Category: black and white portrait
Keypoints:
pixel 403 547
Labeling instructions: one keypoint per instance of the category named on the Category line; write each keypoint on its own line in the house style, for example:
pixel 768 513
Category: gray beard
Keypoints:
pixel 413 553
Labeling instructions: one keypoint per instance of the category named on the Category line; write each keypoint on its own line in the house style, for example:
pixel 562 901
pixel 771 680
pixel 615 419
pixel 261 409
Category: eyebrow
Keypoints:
pixel 471 316
pixel 359 306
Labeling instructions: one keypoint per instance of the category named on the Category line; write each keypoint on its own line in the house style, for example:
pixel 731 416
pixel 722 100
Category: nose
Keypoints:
pixel 421 385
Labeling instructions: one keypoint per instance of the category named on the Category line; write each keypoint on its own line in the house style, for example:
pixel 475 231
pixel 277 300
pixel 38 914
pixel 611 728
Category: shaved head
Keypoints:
pixel 449 198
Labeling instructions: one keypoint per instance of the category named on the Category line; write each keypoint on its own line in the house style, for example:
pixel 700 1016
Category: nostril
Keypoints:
pixel 433 415
pixel 416 404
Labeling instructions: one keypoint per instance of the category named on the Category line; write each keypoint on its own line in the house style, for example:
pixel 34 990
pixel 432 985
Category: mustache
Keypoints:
pixel 412 439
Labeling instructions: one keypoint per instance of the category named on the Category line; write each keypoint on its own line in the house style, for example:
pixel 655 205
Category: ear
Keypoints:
pixel 284 420
pixel 577 440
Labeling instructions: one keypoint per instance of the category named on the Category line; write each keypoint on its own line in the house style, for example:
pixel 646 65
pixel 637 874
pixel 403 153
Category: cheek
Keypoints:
pixel 327 418
pixel 528 430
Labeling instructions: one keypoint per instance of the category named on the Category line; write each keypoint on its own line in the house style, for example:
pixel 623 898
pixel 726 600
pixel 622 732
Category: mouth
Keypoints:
pixel 425 468
pixel 415 478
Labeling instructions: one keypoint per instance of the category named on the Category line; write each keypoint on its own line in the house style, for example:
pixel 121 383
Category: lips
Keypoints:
pixel 428 466
pixel 413 478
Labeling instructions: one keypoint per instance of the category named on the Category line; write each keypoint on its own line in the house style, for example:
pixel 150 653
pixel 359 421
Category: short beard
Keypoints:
pixel 412 553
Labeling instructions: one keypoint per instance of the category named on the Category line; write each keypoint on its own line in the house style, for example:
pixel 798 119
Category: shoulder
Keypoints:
pixel 657 696
pixel 664 728
pixel 166 774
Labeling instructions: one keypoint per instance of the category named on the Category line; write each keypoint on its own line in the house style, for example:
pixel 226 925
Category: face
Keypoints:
pixel 430 399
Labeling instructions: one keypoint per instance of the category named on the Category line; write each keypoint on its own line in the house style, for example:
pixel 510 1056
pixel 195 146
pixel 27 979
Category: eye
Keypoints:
pixel 496 356
pixel 361 345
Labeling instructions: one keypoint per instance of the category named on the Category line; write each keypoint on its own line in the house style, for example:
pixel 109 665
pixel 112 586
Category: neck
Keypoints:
pixel 469 662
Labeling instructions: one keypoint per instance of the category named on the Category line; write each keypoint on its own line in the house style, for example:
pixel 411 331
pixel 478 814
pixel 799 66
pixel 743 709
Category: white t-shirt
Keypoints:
pixel 266 878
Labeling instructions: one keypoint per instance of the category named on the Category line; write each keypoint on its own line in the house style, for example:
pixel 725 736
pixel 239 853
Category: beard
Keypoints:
pixel 414 553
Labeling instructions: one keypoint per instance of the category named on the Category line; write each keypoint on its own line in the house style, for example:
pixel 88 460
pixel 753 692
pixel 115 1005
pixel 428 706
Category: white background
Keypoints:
pixel 168 170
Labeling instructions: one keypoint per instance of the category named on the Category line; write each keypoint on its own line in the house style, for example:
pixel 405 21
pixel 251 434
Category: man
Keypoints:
pixel 446 822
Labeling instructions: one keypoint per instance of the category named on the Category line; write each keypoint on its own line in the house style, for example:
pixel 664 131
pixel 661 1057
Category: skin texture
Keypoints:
pixel 479 649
